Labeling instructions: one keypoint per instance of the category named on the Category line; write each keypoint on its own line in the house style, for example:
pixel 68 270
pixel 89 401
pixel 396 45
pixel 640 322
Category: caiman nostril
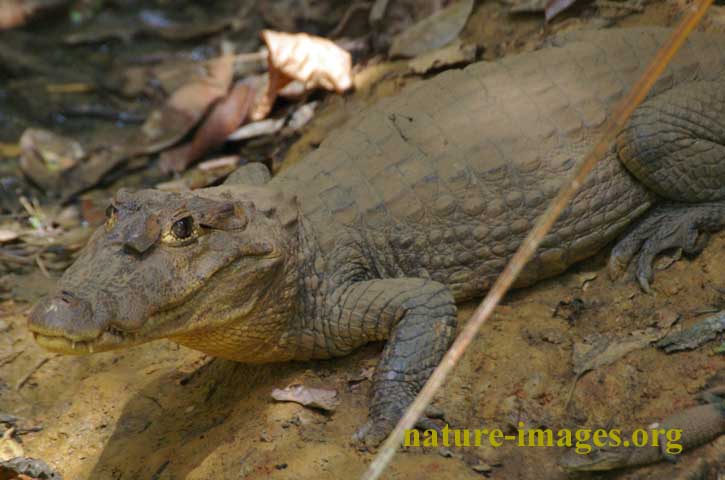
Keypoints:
pixel 66 296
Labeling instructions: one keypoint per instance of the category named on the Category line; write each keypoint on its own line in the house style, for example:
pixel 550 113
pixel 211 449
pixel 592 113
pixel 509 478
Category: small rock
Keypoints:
pixel 445 452
pixel 308 397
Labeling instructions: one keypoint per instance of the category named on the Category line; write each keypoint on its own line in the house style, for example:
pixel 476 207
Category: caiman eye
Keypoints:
pixel 111 217
pixel 183 229
pixel 182 232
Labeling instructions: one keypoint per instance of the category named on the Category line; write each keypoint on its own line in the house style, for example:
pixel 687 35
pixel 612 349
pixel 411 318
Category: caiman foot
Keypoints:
pixel 375 430
pixel 667 226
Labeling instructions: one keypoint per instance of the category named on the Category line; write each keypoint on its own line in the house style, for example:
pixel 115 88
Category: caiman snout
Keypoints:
pixel 63 319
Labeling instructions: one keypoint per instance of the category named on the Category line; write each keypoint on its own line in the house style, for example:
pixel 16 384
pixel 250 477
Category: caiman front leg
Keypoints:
pixel 418 319
pixel 675 145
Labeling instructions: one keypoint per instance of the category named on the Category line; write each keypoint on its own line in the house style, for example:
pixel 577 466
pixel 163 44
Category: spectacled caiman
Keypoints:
pixel 412 206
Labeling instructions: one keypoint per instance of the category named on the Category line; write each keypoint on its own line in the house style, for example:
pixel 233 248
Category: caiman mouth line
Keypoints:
pixel 63 344
pixel 106 340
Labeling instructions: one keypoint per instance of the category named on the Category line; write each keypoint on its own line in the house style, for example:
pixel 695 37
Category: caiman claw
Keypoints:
pixel 666 227
pixel 373 433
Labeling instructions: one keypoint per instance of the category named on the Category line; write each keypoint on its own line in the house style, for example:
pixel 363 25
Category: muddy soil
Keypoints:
pixel 160 411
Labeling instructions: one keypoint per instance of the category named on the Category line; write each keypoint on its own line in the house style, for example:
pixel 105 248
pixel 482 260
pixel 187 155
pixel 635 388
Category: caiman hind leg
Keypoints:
pixel 675 145
pixel 418 319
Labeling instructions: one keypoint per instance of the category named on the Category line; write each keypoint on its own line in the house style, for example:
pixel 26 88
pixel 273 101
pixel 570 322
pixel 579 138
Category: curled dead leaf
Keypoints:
pixel 314 61
pixel 308 397
pixel 224 118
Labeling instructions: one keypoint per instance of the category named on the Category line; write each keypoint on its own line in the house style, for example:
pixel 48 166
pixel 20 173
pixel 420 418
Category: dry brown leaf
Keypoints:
pixel 223 119
pixel 602 350
pixel 309 397
pixel 433 32
pixel 314 61
pixel 269 86
pixel 185 108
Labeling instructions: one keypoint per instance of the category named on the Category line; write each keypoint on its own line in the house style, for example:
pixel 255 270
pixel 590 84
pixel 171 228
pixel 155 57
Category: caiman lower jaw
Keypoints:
pixel 103 342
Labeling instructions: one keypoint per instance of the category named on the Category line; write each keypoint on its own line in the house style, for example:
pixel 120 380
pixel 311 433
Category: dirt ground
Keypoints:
pixel 160 411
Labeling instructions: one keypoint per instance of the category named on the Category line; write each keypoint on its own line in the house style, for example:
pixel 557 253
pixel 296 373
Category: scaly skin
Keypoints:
pixel 415 205
pixel 699 425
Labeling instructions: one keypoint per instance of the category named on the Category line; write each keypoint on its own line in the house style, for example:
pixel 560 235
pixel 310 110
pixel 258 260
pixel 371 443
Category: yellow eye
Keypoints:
pixel 111 217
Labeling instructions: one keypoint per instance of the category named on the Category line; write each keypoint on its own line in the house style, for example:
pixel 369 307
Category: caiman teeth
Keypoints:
pixel 108 339
pixel 61 344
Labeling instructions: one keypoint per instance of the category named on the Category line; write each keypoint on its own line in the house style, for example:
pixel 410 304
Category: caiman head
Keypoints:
pixel 208 269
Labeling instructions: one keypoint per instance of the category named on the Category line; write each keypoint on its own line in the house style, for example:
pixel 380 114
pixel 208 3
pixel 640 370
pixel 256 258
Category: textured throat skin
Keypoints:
pixel 445 179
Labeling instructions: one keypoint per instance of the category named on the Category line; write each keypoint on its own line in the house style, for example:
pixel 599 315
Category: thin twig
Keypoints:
pixel 9 358
pixel 531 242
pixel 27 376
pixel 41 266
